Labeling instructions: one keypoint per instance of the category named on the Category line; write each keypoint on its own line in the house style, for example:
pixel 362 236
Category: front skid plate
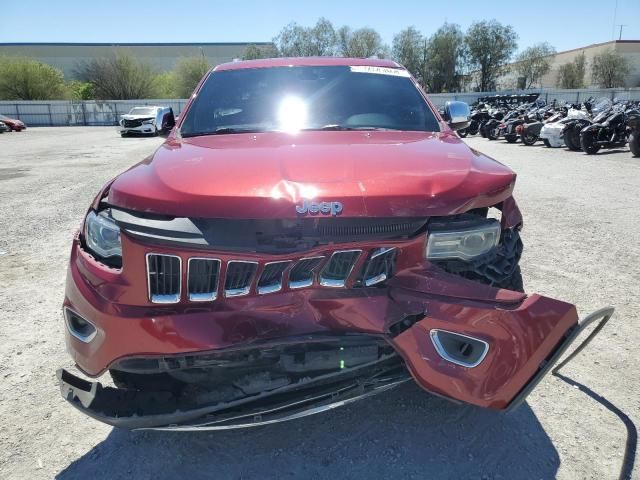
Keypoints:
pixel 84 395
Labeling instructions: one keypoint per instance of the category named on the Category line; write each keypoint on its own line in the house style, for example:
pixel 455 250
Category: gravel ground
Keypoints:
pixel 581 245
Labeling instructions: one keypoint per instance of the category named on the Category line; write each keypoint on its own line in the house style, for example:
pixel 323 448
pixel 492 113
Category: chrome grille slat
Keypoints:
pixel 379 266
pixel 239 277
pixel 202 279
pixel 303 272
pixel 164 278
pixel 270 280
pixel 338 268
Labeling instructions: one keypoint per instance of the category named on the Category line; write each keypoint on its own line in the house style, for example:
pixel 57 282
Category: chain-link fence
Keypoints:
pixel 65 113
pixel 70 113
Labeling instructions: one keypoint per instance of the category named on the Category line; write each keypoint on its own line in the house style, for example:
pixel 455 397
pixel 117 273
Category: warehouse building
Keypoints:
pixel 161 56
pixel 628 49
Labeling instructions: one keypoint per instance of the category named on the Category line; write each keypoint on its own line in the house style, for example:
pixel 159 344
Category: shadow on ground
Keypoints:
pixel 401 434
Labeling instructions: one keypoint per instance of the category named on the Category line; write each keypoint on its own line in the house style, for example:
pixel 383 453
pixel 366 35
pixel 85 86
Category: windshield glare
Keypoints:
pixel 306 98
pixel 142 111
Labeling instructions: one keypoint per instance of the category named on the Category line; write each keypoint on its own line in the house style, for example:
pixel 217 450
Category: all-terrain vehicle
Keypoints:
pixel 311 232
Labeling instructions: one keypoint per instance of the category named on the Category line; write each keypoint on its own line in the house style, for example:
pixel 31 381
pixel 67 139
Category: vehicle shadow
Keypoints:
pixel 400 434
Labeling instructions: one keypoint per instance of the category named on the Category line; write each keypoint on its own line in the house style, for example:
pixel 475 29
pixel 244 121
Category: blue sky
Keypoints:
pixel 565 24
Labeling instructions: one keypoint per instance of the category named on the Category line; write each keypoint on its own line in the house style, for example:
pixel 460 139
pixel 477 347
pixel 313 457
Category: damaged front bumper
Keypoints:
pixel 323 348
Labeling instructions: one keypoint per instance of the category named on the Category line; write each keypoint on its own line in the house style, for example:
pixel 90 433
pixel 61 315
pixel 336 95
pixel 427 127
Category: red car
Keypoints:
pixel 12 123
pixel 312 232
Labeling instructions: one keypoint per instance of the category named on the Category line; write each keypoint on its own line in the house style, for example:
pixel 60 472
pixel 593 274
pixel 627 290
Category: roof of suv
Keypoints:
pixel 308 62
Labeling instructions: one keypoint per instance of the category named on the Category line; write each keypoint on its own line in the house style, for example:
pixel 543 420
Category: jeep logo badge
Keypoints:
pixel 333 208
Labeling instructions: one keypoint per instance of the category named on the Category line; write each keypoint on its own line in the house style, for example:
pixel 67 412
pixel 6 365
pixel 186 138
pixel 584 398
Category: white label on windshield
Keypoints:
pixel 396 72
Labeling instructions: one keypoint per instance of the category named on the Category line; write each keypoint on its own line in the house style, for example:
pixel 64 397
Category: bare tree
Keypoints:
pixel 361 43
pixel 490 45
pixel 408 49
pixel 443 59
pixel 188 73
pixel 609 69
pixel 254 52
pixel 571 75
pixel 119 77
pixel 534 62
pixel 26 79
pixel 297 41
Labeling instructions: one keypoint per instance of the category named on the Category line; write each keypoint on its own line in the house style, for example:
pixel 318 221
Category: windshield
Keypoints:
pixel 308 98
pixel 142 111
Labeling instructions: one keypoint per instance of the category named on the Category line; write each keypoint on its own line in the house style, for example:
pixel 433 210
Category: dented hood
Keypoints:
pixel 264 175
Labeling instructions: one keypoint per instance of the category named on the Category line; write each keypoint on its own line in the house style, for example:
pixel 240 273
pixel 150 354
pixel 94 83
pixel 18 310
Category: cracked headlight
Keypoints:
pixel 102 235
pixel 463 243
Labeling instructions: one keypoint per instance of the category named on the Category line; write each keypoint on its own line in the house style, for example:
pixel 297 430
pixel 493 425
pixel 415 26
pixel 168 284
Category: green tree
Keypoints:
pixel 609 69
pixel 120 77
pixel 408 49
pixel 78 90
pixel 188 73
pixel 164 85
pixel 254 52
pixel 490 46
pixel 571 75
pixel 444 57
pixel 534 62
pixel 317 41
pixel 26 79
pixel 361 43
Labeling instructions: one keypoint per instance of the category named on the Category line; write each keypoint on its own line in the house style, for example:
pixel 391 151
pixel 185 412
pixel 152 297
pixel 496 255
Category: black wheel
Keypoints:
pixel 483 131
pixel 511 138
pixel 462 133
pixel 473 128
pixel 546 142
pixel 529 138
pixel 634 144
pixel 493 133
pixel 587 143
pixel 572 139
pixel 124 134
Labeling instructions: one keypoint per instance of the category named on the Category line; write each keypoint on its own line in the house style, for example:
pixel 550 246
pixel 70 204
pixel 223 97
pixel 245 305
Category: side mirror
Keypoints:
pixel 168 122
pixel 457 115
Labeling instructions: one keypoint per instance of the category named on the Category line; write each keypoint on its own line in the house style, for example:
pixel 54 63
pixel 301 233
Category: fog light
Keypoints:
pixel 80 328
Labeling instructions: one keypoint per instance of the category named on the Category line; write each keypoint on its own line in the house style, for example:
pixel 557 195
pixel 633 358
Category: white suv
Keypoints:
pixel 147 120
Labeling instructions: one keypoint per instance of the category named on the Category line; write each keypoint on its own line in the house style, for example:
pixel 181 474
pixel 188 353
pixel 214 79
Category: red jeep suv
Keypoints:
pixel 311 232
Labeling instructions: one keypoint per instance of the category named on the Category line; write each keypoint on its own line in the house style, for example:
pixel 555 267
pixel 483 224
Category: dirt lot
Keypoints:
pixel 581 244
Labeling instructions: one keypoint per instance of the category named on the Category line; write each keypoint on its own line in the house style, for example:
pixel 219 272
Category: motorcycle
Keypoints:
pixel 608 130
pixel 572 129
pixel 529 131
pixel 552 132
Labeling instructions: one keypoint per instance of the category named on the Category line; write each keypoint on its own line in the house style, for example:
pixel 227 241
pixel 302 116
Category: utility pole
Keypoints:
pixel 620 38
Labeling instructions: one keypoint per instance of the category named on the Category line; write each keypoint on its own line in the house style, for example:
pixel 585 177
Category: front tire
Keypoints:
pixel 529 138
pixel 572 139
pixel 546 143
pixel 511 138
pixel 587 143
pixel 462 133
pixel 514 282
pixel 634 144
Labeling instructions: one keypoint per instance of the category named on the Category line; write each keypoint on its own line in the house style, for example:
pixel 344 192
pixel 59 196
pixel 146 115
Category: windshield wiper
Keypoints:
pixel 222 131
